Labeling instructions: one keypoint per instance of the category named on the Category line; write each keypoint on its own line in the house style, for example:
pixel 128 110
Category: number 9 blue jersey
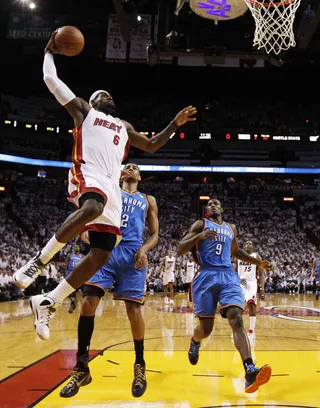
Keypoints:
pixel 216 252
pixel 133 217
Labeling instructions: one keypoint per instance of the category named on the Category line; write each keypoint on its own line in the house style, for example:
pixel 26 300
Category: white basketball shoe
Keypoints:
pixel 27 274
pixel 43 309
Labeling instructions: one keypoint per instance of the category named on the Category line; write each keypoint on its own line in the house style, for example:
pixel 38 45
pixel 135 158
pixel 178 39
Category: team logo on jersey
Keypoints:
pixel 107 124
pixel 242 263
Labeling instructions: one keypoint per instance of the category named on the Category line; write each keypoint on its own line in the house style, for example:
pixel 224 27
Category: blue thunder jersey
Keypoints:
pixel 133 217
pixel 216 253
pixel 73 260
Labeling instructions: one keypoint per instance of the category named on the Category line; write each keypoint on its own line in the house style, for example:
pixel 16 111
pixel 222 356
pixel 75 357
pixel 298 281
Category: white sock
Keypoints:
pixel 63 290
pixel 49 251
pixel 253 322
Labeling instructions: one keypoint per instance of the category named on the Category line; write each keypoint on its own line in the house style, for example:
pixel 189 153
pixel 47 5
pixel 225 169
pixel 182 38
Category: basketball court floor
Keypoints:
pixel 288 338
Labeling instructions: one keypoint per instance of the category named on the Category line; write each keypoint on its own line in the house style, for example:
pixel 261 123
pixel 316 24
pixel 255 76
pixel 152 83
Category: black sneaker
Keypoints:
pixel 77 379
pixel 193 353
pixel 255 377
pixel 139 384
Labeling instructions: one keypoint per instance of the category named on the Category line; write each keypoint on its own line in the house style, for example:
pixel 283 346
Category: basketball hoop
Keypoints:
pixel 274 23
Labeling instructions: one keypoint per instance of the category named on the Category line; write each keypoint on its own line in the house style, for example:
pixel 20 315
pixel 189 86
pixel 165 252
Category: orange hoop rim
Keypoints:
pixel 256 3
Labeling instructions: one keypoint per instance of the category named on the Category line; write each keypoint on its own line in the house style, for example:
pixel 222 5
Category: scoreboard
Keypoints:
pixel 243 137
pixel 216 135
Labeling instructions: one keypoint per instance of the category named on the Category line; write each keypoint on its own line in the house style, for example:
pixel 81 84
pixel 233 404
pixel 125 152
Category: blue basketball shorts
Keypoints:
pixel 129 283
pixel 212 286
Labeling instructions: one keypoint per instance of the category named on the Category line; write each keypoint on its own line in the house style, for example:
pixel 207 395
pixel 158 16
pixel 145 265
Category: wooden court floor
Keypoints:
pixel 288 338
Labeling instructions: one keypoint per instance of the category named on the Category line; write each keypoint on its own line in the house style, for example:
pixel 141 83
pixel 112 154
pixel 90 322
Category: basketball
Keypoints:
pixel 69 41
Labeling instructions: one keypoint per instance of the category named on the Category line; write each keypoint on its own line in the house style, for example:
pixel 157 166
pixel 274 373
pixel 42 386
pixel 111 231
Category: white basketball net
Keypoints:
pixel 274 23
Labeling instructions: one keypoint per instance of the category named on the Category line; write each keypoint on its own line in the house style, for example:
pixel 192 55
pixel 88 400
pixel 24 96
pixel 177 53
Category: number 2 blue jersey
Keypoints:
pixel 216 253
pixel 133 217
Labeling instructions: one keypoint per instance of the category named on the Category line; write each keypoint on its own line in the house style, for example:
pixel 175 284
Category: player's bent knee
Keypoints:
pixel 89 305
pixel 236 323
pixel 234 315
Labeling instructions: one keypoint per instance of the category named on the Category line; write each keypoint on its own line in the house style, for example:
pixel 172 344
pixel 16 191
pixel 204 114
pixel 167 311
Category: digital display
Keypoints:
pixel 191 135
pixel 293 138
pixel 205 136
pixel 244 136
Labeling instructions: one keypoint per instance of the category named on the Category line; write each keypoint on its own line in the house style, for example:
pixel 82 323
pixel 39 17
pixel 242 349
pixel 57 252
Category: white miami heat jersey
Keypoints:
pixel 247 270
pixel 190 271
pixel 169 264
pixel 101 143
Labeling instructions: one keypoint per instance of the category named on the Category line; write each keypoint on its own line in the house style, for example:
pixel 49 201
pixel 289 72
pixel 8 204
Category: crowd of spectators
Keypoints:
pixel 280 231
pixel 286 234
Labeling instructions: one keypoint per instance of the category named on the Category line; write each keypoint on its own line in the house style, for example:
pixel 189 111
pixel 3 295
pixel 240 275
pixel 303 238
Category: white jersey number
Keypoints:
pixel 124 220
pixel 218 249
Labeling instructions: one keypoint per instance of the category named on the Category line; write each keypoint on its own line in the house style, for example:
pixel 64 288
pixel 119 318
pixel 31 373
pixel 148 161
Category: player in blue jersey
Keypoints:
pixel 126 270
pixel 213 242
pixel 72 259
pixel 316 273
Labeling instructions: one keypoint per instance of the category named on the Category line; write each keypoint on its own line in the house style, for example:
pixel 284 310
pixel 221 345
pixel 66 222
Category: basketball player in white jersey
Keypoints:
pixel 167 266
pixel 249 275
pixel 191 269
pixel 101 142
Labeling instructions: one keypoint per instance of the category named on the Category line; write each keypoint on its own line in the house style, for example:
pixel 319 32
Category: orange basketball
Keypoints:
pixel 69 41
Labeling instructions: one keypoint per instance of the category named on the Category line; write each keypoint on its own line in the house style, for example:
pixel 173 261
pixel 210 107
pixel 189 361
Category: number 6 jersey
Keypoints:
pixel 247 270
pixel 134 213
pixel 100 145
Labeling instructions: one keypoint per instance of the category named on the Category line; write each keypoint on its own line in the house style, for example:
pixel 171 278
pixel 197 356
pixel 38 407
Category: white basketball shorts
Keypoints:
pixel 168 277
pixel 83 179
pixel 189 278
pixel 249 291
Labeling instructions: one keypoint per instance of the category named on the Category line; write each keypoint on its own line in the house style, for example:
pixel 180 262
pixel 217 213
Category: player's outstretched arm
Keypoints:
pixel 244 256
pixel 77 107
pixel 160 139
pixel 141 257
